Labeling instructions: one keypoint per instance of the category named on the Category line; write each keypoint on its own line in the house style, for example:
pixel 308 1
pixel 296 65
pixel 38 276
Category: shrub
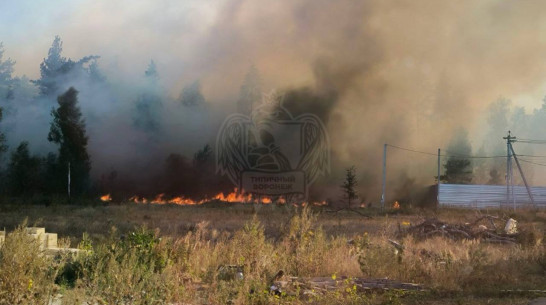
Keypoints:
pixel 26 274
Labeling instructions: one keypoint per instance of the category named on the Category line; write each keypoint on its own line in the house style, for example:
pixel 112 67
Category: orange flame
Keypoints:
pixel 396 205
pixel 234 196
pixel 106 198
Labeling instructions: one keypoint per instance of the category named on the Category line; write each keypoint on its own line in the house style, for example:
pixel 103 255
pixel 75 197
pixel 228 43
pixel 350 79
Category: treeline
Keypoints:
pixel 53 101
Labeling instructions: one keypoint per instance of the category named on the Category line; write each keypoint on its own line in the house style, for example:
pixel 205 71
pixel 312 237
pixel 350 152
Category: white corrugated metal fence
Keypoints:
pixel 488 196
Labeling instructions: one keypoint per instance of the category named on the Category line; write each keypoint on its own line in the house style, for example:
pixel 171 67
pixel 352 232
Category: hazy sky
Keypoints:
pixel 180 35
pixel 126 33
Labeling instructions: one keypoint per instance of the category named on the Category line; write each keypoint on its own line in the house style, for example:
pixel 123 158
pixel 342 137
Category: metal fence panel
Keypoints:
pixel 488 196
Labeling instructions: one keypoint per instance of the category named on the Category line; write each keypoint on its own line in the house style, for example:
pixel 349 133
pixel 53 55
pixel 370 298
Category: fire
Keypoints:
pixel 396 205
pixel 234 196
pixel 183 201
pixel 106 198
pixel 266 200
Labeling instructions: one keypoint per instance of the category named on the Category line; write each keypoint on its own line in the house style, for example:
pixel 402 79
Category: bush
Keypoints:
pixel 26 275
pixel 138 269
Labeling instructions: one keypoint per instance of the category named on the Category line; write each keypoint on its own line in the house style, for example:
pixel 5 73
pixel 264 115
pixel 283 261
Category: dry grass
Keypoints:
pixel 26 275
pixel 179 259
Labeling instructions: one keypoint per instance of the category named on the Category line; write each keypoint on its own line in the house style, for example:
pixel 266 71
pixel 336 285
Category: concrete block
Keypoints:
pixel 50 240
pixel 35 230
pixel 41 238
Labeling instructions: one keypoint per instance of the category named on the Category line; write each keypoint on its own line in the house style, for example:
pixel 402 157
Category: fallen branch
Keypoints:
pixel 432 227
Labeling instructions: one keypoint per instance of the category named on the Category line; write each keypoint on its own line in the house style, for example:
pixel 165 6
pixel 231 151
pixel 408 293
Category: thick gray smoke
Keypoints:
pixel 409 73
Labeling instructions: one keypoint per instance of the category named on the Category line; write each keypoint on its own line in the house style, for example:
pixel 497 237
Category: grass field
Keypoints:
pixel 169 254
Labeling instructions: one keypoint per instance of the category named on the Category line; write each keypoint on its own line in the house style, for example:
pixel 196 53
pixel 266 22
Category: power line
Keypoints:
pixel 451 153
pixel 473 157
pixel 531 156
pixel 413 150
pixel 520 139
pixel 444 155
pixel 531 162
pixel 531 141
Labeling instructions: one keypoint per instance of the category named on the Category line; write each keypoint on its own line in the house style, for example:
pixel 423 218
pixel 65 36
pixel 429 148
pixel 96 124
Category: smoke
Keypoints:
pixel 401 72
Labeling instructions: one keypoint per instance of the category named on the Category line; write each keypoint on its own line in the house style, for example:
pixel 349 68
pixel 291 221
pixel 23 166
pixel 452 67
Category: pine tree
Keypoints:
pixel 458 168
pixel 23 172
pixel 56 71
pixel 191 95
pixel 3 146
pixel 151 71
pixel 50 68
pixel 349 185
pixel 68 131
pixel 6 80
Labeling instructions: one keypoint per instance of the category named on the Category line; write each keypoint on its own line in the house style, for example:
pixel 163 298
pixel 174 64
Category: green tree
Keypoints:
pixel 57 71
pixel 349 185
pixel 6 80
pixel 458 168
pixel 23 172
pixel 68 131
pixel 3 146
pixel 51 67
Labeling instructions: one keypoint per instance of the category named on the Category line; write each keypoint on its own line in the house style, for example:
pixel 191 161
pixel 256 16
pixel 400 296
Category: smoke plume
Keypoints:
pixel 408 73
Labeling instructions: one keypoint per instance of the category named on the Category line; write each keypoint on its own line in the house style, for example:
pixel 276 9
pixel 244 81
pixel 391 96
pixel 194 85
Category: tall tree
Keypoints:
pixel 6 80
pixel 458 168
pixel 3 146
pixel 68 131
pixel 349 185
pixel 56 70
pixel 50 67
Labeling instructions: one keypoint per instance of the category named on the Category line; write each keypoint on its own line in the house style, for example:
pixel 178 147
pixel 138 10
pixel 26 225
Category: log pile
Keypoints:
pixel 483 228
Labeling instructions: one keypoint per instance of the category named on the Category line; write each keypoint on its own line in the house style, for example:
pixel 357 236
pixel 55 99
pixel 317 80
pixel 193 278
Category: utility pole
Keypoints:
pixel 509 140
pixel 523 177
pixel 438 187
pixel 69 180
pixel 384 185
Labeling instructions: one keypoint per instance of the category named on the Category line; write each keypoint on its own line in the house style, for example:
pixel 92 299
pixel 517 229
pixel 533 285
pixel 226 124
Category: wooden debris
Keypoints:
pixel 475 230
pixel 314 285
